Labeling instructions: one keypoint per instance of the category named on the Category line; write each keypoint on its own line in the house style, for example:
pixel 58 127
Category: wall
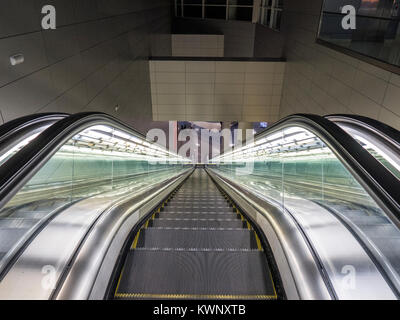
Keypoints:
pixel 197 45
pixel 323 81
pixel 94 61
pixel 239 35
pixel 216 90
pixel 268 43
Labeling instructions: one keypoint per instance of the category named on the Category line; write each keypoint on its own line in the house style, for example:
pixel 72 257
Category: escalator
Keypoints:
pixel 115 216
pixel 197 247
pixel 379 139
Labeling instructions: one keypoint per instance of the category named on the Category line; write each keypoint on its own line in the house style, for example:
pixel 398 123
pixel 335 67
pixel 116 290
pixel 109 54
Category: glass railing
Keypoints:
pixel 295 170
pixel 100 160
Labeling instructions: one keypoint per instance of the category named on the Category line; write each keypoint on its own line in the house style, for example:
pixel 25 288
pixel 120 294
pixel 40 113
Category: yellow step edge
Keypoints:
pixel 119 281
pixel 259 246
pixel 248 225
pixel 134 244
pixel 193 296
pixel 273 284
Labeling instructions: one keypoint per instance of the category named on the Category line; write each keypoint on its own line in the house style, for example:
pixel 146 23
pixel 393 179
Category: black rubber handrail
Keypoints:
pixel 377 180
pixel 14 126
pixel 389 133
pixel 15 131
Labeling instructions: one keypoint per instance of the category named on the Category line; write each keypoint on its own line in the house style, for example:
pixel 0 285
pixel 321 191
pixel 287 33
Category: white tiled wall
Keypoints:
pixel 197 45
pixel 216 90
pixel 323 81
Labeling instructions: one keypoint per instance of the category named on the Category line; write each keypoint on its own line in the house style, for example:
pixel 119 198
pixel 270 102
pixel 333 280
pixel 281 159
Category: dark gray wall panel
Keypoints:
pixel 96 59
pixel 18 17
pixel 31 45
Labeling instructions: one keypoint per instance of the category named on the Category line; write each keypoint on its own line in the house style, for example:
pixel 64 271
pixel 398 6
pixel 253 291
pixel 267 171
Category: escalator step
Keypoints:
pixel 198 210
pixel 203 239
pixel 199 204
pixel 197 207
pixel 188 215
pixel 198 223
pixel 186 275
pixel 202 201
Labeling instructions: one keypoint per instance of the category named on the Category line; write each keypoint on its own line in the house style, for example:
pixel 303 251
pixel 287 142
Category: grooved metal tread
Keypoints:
pixel 187 215
pixel 179 238
pixel 197 209
pixel 187 274
pixel 198 223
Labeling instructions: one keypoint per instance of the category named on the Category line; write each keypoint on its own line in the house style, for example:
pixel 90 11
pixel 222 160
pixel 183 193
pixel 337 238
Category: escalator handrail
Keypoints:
pixel 378 181
pixel 15 172
pixel 15 126
pixel 390 134
pixel 16 131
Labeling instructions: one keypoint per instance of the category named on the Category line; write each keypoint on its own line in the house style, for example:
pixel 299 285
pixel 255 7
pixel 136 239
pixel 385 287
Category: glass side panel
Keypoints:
pixel 294 169
pixel 96 161
pixel 192 11
pixel 240 13
pixel 215 12
pixel 370 29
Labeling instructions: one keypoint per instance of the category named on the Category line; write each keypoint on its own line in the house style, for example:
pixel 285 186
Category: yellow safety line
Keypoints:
pixel 258 242
pixel 248 225
pixel 119 281
pixel 192 296
pixel 273 284
pixel 147 224
pixel 134 244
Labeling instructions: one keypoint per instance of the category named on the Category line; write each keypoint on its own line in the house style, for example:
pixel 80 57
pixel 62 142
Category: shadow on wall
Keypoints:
pixel 242 39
